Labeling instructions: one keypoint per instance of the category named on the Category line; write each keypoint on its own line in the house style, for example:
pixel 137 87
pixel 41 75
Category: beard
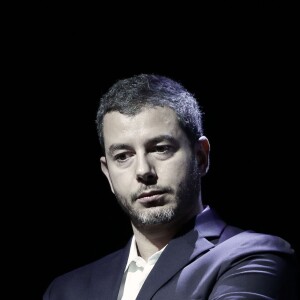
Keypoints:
pixel 185 198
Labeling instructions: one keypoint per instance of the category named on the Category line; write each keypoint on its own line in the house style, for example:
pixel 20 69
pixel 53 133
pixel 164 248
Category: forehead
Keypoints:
pixel 150 122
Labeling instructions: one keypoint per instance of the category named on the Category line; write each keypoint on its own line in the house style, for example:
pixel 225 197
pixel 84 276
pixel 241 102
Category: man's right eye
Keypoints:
pixel 122 156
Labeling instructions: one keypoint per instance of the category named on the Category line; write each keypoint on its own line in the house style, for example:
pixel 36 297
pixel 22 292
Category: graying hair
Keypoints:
pixel 128 96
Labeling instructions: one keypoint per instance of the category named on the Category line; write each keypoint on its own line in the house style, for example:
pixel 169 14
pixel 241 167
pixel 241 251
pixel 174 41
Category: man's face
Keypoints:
pixel 151 166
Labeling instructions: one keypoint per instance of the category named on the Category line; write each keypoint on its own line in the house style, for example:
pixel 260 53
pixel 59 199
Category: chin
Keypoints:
pixel 154 215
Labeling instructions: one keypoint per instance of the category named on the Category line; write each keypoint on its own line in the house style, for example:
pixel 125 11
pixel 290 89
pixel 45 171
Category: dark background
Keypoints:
pixel 241 63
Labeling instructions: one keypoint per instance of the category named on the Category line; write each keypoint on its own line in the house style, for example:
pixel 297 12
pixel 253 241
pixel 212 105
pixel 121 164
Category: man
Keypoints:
pixel 155 153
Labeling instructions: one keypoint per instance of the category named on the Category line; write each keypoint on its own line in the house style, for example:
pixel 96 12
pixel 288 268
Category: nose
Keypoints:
pixel 145 171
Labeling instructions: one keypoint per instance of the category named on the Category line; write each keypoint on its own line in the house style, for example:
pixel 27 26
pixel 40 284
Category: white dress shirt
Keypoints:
pixel 136 272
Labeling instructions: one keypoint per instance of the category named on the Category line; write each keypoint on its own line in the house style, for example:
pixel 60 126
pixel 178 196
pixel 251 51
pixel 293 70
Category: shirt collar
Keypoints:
pixel 133 254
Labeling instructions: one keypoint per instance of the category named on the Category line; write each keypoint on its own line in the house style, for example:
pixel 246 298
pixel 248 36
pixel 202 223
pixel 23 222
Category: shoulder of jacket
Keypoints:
pixel 248 240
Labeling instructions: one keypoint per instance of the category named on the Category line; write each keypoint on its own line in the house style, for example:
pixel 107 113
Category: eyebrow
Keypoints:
pixel 155 140
pixel 115 147
pixel 161 138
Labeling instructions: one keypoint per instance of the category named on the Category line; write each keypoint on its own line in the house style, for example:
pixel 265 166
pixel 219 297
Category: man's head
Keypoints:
pixel 152 160
pixel 129 96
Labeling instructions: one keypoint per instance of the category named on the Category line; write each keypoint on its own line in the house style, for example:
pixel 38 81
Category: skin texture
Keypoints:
pixel 154 171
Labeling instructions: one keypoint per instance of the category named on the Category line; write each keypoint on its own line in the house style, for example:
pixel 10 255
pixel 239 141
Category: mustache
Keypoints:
pixel 152 188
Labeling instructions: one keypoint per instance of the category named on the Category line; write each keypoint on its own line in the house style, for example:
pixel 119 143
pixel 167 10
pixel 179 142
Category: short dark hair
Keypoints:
pixel 128 96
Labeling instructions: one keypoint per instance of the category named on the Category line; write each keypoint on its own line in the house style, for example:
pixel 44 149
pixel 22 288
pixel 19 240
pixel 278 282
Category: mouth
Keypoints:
pixel 151 197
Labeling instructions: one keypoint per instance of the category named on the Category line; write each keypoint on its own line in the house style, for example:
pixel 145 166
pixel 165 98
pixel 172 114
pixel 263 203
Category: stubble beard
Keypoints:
pixel 185 198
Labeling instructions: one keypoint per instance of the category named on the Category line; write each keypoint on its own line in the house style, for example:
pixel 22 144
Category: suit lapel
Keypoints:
pixel 106 280
pixel 182 250
pixel 176 255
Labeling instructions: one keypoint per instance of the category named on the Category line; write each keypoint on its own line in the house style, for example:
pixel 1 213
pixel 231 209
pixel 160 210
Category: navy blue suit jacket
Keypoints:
pixel 208 260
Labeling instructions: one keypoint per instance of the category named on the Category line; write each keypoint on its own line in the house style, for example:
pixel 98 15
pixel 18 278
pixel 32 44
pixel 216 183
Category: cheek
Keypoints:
pixel 121 182
pixel 175 171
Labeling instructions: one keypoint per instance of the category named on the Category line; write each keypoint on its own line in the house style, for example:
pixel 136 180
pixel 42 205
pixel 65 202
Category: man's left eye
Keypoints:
pixel 163 148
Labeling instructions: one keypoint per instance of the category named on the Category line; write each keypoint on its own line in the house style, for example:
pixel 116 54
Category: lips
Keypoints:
pixel 150 196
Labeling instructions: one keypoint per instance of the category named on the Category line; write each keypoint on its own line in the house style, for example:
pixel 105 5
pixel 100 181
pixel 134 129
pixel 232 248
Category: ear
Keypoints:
pixel 202 150
pixel 105 171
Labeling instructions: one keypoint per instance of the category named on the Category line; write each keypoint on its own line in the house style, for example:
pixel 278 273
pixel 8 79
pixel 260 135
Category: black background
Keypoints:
pixel 241 63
